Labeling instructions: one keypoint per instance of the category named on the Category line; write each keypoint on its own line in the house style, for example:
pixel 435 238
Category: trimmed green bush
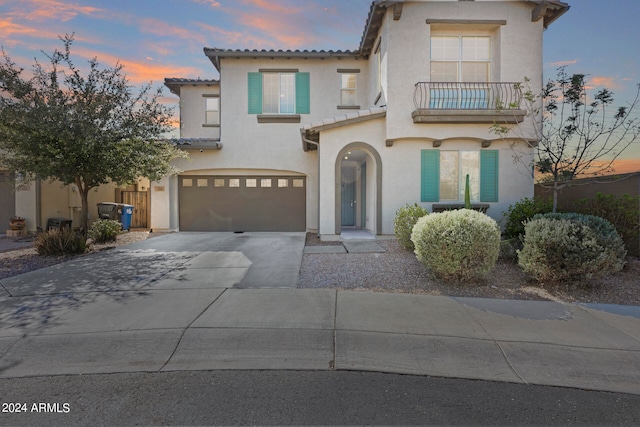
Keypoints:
pixel 457 245
pixel 522 211
pixel 623 212
pixel 60 242
pixel 567 247
pixel 104 230
pixel 406 218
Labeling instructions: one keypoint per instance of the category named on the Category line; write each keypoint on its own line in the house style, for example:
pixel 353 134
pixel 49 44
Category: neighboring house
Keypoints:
pixel 323 140
pixel 39 200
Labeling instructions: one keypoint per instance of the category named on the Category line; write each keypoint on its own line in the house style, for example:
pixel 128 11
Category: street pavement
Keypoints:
pixel 224 301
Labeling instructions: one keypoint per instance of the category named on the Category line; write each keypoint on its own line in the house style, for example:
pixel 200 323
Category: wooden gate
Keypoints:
pixel 140 202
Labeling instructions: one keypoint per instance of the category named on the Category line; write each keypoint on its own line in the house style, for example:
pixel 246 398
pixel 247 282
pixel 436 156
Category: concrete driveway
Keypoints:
pixel 201 301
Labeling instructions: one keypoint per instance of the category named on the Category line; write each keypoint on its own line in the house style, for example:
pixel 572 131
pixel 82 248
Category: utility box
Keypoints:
pixel 58 224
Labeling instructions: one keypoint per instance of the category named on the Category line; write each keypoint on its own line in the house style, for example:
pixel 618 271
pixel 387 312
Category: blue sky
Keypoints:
pixel 155 39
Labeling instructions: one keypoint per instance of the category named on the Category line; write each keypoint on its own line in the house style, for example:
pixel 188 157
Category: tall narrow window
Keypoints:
pixel 348 90
pixel 212 111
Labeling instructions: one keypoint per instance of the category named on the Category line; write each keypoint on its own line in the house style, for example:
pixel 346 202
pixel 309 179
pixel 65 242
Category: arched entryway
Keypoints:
pixel 358 192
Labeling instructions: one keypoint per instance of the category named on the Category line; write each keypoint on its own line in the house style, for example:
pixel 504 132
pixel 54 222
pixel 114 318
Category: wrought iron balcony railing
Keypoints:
pixel 467 96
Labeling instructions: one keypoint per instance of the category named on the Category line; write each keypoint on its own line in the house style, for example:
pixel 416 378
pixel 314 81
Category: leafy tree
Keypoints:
pixel 577 134
pixel 84 129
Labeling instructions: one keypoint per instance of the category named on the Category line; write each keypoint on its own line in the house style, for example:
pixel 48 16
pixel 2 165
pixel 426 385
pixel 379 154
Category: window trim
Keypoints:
pixel 302 96
pixel 206 98
pixel 461 60
pixel 342 73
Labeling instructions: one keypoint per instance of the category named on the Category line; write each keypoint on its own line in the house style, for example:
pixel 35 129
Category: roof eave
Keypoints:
pixel 215 55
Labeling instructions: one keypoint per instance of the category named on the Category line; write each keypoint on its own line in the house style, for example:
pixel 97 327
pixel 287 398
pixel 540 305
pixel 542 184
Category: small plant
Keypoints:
pixel 104 230
pixel 406 218
pixel 570 247
pixel 460 245
pixel 60 242
pixel 523 211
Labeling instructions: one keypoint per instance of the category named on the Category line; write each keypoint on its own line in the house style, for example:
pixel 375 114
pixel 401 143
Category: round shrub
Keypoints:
pixel 406 218
pixel 522 211
pixel 460 245
pixel 104 230
pixel 566 247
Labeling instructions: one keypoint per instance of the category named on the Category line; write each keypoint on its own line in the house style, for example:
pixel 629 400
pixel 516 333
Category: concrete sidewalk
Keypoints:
pixel 189 310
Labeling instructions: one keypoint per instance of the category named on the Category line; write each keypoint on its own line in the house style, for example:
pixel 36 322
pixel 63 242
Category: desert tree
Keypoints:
pixel 86 128
pixel 576 132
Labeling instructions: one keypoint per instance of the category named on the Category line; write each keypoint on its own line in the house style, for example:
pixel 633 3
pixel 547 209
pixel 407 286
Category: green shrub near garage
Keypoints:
pixel 457 245
pixel 406 217
pixel 104 230
pixel 568 247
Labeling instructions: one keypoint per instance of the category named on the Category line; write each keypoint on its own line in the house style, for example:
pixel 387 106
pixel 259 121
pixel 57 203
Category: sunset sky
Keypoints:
pixel 155 39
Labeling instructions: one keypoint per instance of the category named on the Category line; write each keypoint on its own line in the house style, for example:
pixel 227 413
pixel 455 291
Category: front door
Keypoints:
pixel 348 197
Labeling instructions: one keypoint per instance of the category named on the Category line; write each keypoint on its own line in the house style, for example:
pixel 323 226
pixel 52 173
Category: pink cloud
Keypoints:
pixel 139 71
pixel 271 6
pixel 47 10
pixel 160 28
pixel 603 81
pixel 236 38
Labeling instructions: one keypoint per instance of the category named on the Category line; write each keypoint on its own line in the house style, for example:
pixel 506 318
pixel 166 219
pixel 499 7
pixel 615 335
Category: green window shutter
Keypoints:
pixel 255 93
pixel 303 94
pixel 430 174
pixel 489 176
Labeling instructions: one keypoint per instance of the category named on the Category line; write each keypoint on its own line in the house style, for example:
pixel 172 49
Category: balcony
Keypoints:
pixel 467 102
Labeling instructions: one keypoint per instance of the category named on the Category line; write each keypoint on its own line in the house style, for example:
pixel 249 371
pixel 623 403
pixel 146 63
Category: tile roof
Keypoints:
pixel 214 54
pixel 311 131
pixel 175 83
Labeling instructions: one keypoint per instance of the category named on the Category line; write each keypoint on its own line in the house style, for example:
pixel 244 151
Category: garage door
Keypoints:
pixel 242 203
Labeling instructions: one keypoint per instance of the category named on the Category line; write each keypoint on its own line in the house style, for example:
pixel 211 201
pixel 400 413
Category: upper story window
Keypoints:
pixel 348 87
pixel 460 58
pixel 279 93
pixel 211 110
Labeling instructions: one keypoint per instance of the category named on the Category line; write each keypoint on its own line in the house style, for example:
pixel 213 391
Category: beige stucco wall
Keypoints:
pixel 192 111
pixel 401 172
pixel 250 147
pixel 516 54
pixel 56 200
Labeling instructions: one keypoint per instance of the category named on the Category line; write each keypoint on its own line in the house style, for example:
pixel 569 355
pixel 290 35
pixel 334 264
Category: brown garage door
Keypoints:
pixel 242 203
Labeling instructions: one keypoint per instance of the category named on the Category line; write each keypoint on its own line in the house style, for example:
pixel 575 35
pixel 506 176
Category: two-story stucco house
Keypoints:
pixel 323 140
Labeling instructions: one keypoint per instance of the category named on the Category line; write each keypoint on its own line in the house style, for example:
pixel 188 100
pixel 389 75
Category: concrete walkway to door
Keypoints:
pixel 207 301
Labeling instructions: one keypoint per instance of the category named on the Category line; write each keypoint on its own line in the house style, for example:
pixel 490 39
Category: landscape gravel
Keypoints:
pixel 394 270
